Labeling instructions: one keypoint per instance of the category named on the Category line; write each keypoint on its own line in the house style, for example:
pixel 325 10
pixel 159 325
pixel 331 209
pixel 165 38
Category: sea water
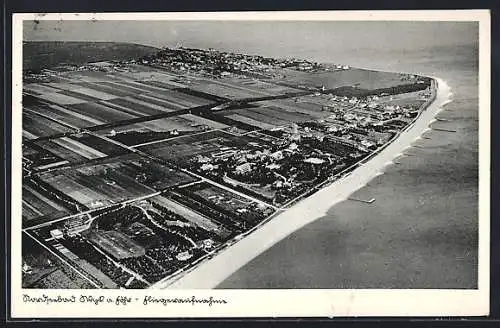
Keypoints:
pixel 422 230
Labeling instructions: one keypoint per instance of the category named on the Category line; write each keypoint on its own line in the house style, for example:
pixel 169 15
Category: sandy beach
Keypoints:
pixel 212 272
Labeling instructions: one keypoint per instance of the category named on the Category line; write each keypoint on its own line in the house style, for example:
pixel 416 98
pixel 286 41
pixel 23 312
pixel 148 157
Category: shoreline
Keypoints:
pixel 208 275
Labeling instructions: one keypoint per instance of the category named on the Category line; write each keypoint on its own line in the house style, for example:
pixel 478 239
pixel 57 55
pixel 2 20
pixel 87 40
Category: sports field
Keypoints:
pixel 116 244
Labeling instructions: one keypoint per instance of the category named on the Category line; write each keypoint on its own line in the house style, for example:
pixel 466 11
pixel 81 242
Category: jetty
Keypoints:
pixel 368 201
pixel 444 130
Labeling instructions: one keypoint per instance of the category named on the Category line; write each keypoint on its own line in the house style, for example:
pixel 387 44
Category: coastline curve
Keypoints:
pixel 210 274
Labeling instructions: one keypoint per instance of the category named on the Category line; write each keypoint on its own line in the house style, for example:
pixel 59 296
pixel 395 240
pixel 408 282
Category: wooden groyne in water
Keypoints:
pixel 444 130
pixel 368 201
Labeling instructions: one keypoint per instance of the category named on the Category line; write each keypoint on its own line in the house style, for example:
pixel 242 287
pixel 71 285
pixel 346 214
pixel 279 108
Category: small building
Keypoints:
pixel 278 184
pixel 273 166
pixel 56 233
pixel 277 155
pixel 184 256
pixel 243 168
pixel 206 243
pixel 314 160
pixel 27 269
pixel 203 159
pixel 293 146
pixel 76 225
pixel 207 167
pixel 367 143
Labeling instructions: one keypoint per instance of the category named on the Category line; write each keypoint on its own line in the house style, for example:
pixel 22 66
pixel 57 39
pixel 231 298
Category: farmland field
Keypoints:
pixel 160 129
pixel 38 88
pixel 81 147
pixel 129 176
pixel 140 107
pixel 66 115
pixel 105 88
pixel 298 106
pixel 38 206
pixel 251 121
pixel 257 85
pixel 94 93
pixel 101 112
pixel 69 149
pixel 225 91
pixel 60 98
pixel 95 185
pixel 180 149
pixel 272 115
pixel 39 126
pixel 181 98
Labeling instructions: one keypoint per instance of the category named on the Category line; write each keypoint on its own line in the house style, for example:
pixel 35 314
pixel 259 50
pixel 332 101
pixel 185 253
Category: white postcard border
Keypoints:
pixel 263 303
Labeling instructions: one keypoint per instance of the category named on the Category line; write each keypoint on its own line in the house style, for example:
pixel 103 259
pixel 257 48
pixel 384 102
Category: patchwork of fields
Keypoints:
pixel 134 171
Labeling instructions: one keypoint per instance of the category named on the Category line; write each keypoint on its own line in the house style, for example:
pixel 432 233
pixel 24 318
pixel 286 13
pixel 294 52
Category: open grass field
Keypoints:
pixel 194 217
pixel 116 244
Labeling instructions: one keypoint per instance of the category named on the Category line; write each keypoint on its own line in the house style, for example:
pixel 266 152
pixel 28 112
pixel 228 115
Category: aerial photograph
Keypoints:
pixel 203 154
